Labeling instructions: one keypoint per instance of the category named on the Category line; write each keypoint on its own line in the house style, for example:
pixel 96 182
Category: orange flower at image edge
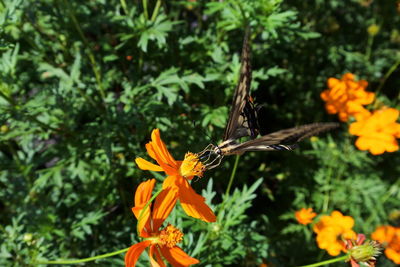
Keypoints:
pixel 160 242
pixel 331 230
pixel 305 216
pixel 179 172
pixel 378 132
pixel 389 236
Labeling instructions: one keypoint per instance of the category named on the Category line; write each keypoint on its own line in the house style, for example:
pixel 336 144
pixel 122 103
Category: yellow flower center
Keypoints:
pixel 191 166
pixel 170 236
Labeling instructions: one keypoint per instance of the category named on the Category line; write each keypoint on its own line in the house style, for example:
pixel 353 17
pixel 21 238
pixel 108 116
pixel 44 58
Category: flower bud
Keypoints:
pixel 365 253
pixel 373 30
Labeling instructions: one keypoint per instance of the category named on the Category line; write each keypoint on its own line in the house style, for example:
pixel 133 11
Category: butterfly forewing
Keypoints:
pixel 236 126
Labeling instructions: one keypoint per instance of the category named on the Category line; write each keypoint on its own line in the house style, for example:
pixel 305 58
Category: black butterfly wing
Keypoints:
pixel 281 140
pixel 237 125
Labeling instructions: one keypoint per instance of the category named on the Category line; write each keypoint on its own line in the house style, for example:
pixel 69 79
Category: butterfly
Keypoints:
pixel 243 122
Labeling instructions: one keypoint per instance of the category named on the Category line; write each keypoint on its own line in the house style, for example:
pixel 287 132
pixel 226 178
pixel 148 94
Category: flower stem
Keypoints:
pixel 369 47
pixel 83 260
pixel 124 7
pixel 386 76
pixel 146 13
pixel 156 9
pixel 232 175
pixel 345 257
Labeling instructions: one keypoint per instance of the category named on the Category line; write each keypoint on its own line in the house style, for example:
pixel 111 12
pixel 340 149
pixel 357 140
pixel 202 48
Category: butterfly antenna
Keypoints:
pixel 195 125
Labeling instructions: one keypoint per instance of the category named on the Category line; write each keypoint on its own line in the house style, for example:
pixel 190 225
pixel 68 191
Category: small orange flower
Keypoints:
pixel 347 97
pixel 378 132
pixel 179 172
pixel 305 216
pixel 160 242
pixel 331 230
pixel 389 236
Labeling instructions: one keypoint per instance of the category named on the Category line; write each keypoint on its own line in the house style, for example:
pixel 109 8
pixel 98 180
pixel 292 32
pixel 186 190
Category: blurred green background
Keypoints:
pixel 83 83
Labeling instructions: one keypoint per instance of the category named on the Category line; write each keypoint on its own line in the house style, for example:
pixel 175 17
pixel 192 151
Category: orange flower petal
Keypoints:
pixel 163 205
pixel 150 150
pixel 177 257
pixel 147 166
pixel 143 218
pixel 134 252
pixel 384 234
pixel 143 192
pixel 194 204
pixel 142 196
pixel 393 254
pixel 332 82
pixel 161 149
pixel 389 115
pixel 153 262
pixel 159 258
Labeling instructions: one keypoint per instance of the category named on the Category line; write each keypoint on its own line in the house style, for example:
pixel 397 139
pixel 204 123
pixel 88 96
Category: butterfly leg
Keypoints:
pixel 212 164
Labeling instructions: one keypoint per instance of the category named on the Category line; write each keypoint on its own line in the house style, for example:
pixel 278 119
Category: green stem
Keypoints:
pixel 345 257
pixel 146 13
pixel 90 54
pixel 386 76
pixel 124 6
pixel 369 47
pixel 156 9
pixel 232 175
pixel 84 260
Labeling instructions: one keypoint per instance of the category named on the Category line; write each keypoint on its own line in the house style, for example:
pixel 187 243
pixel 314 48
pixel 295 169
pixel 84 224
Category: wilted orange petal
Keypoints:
pixel 177 257
pixel 147 166
pixel 134 252
pixel 163 205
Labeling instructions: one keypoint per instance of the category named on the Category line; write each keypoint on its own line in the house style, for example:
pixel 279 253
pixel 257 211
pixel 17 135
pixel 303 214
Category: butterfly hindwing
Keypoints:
pixel 281 140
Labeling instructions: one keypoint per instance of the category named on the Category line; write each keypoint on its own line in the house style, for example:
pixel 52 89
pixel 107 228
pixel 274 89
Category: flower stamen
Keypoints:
pixel 170 236
pixel 191 166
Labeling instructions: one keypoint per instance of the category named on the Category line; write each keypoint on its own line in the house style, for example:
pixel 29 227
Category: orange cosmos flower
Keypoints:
pixel 331 230
pixel 378 132
pixel 389 236
pixel 160 242
pixel 179 172
pixel 305 216
pixel 347 97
